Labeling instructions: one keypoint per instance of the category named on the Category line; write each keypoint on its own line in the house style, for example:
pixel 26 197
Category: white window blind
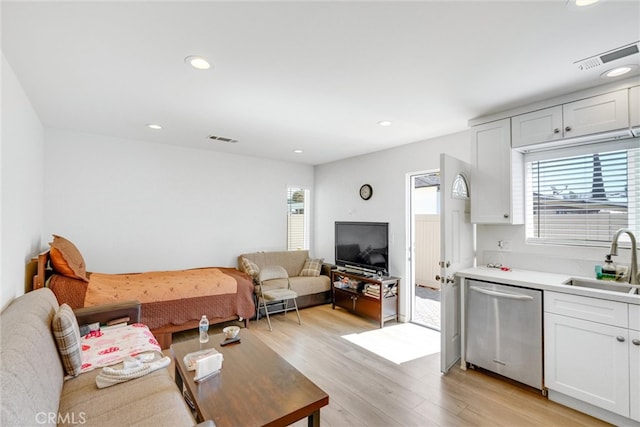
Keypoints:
pixel 297 218
pixel 582 196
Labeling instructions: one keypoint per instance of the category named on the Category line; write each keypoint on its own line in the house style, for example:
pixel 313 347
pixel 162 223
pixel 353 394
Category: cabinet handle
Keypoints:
pixel 567 129
pixel 620 338
pixel 556 130
pixel 438 278
pixel 635 342
pixel 506 216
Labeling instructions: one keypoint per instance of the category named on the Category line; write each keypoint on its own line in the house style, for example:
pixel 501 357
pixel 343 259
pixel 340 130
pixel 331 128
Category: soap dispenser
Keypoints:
pixel 608 269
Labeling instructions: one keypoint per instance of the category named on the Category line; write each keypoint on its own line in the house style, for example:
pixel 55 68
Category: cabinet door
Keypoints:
pixel 368 307
pixel 343 299
pixel 634 374
pixel 495 176
pixel 634 109
pixel 537 126
pixel 588 361
pixel 597 114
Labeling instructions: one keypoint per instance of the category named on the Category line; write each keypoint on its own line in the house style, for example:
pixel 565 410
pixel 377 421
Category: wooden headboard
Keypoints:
pixel 40 277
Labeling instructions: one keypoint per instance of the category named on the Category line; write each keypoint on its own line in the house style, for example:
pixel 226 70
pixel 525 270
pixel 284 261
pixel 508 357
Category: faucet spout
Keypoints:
pixel 633 269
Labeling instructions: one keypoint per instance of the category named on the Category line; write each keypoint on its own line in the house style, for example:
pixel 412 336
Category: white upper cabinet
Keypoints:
pixel 597 114
pixel 634 109
pixel 602 113
pixel 497 176
pixel 537 126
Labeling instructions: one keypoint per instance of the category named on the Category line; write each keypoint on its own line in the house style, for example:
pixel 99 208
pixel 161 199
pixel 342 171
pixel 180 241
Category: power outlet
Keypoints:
pixel 504 245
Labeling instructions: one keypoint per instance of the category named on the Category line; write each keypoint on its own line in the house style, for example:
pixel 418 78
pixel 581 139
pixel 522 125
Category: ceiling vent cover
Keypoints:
pixel 612 55
pixel 222 139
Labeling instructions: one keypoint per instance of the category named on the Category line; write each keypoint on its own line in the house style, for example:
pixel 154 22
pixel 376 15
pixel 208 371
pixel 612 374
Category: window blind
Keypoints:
pixel 582 198
pixel 297 218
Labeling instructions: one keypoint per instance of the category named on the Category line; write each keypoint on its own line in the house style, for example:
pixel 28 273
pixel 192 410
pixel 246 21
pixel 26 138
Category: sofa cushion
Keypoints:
pixel 31 373
pixel 292 261
pixel 249 267
pixel 66 259
pixel 152 400
pixel 310 285
pixel 312 267
pixel 67 334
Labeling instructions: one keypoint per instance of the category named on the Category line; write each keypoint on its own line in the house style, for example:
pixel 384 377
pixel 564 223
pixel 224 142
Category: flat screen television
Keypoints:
pixel 362 246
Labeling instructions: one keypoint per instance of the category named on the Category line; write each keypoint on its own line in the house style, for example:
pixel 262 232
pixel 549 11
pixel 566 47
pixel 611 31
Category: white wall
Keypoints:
pixel 137 206
pixel 337 198
pixel 21 157
pixel 517 253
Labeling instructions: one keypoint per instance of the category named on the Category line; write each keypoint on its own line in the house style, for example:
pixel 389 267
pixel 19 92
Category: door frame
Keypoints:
pixel 410 236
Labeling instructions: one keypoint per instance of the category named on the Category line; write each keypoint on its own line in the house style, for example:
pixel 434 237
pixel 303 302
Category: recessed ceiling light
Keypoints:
pixel 616 72
pixel 298 151
pixel 154 126
pixel 385 123
pixel 197 62
pixel 576 4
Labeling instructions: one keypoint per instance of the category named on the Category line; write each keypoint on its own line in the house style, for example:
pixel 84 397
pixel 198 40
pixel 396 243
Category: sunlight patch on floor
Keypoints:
pixel 398 343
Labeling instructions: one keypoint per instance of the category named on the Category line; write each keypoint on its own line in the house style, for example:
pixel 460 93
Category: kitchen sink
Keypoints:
pixel 604 285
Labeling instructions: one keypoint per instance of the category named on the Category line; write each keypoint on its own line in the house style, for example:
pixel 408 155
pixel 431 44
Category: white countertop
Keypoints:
pixel 543 281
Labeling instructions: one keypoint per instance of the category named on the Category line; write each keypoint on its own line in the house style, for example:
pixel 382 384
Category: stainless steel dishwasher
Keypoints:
pixel 504 330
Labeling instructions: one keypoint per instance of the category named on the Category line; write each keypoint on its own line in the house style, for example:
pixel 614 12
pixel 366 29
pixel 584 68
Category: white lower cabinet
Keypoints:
pixel 634 360
pixel 592 362
pixel 586 360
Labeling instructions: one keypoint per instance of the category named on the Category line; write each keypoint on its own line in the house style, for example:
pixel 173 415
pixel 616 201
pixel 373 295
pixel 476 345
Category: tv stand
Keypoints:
pixel 367 296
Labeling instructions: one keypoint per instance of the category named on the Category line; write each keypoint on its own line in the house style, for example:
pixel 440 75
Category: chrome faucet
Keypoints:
pixel 633 269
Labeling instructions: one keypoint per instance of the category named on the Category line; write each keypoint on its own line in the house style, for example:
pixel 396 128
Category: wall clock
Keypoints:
pixel 366 192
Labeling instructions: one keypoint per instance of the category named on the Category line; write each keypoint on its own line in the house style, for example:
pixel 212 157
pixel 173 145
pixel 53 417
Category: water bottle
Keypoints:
pixel 204 329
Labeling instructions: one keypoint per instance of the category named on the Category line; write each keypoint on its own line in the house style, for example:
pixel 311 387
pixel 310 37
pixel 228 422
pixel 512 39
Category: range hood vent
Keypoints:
pixel 610 56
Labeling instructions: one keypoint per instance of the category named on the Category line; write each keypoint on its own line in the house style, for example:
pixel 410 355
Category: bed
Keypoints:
pixel 171 301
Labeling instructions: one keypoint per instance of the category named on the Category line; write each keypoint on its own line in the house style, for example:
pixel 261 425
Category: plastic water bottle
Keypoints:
pixel 204 329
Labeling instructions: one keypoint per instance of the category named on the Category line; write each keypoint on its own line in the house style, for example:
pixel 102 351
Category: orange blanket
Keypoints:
pixel 158 286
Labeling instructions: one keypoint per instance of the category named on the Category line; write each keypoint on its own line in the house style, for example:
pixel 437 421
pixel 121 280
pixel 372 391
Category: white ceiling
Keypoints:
pixel 315 76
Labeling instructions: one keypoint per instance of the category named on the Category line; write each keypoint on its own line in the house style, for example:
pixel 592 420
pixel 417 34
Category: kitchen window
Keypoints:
pixel 582 195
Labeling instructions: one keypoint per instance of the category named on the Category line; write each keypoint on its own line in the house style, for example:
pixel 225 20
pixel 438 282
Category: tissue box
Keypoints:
pixel 207 366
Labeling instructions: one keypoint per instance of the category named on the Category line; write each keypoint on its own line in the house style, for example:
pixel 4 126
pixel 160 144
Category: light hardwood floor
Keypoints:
pixel 367 390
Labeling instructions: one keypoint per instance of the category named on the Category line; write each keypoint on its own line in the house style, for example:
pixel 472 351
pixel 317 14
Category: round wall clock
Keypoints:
pixel 366 192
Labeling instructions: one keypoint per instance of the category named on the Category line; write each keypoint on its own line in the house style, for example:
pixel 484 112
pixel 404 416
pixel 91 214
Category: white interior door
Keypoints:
pixel 457 252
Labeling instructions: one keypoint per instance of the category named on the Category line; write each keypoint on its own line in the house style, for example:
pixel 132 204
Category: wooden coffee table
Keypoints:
pixel 255 387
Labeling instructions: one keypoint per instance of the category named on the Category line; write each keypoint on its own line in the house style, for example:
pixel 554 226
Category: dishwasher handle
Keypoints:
pixel 500 294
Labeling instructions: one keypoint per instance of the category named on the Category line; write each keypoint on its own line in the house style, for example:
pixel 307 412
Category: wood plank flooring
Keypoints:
pixel 367 390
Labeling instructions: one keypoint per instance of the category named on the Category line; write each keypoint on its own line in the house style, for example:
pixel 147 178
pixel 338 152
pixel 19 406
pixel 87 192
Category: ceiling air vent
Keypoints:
pixel 222 139
pixel 612 55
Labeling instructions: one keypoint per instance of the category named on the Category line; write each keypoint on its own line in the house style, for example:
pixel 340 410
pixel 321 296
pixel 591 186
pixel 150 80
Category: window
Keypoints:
pixel 297 218
pixel 582 195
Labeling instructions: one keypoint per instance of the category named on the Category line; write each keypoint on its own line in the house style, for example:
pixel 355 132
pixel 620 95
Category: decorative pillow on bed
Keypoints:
pixel 66 259
pixel 67 334
pixel 312 267
pixel 250 268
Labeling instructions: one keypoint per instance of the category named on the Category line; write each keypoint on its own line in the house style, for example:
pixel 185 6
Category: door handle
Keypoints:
pixel 451 279
pixel 500 294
